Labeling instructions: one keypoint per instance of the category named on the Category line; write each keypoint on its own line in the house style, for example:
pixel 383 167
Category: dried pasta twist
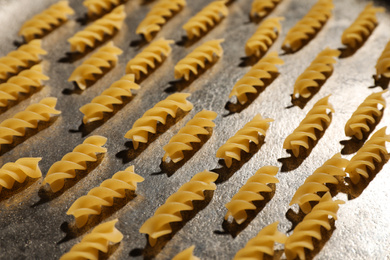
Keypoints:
pixel 315 184
pixel 383 64
pixel 319 69
pixel 241 140
pixel 187 254
pixel 306 129
pixel 364 114
pixel 158 225
pixel 362 27
pixel 206 18
pixel 157 17
pixel 198 57
pixel 309 25
pixel 47 20
pixel 157 114
pixel 105 57
pixel 115 187
pixel 148 57
pixel 96 31
pixel 75 160
pixel 18 171
pixel 29 118
pixel 262 243
pixel 261 8
pixel 310 227
pixel 255 76
pixel 243 199
pixel 97 240
pixel 98 7
pixel 366 156
pixel 189 134
pixel 21 58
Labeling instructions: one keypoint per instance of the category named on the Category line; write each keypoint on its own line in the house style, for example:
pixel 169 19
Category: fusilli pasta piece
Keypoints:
pixel 261 8
pixel 97 240
pixel 310 227
pixel 148 57
pixel 19 171
pixel 255 76
pixel 96 31
pixel 105 57
pixel 364 114
pixel 157 17
pixel 189 134
pixel 198 57
pixel 262 243
pixel 75 160
pixel 243 199
pixel 47 20
pixel 157 114
pixel 241 140
pixel 98 7
pixel 91 204
pixel 315 184
pixel 158 225
pixel 308 26
pixel 306 129
pixel 206 18
pixel 187 254
pixel 383 64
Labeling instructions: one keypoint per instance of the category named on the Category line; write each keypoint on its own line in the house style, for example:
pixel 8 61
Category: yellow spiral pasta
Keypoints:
pixel 306 129
pixel 265 35
pixel 148 57
pixel 262 243
pixel 105 57
pixel 75 160
pixel 189 134
pixel 362 27
pixel 308 26
pixel 158 225
pixel 21 58
pixel 98 7
pixel 198 57
pixel 95 32
pixel 383 64
pixel 29 118
pixel 315 184
pixel 157 114
pixel 19 171
pixel 243 199
pixel 310 227
pixel 187 254
pixel 255 76
pixel 261 8
pixel 241 140
pixel 47 20
pixel 365 114
pixel 97 240
pixel 92 203
pixel 365 158
pixel 206 19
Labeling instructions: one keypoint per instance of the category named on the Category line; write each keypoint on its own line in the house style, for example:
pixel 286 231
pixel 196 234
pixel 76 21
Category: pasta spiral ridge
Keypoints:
pixel 46 20
pixel 157 17
pixel 157 114
pixel 249 192
pixel 98 7
pixel 383 64
pixel 261 8
pixel 19 171
pixel 207 17
pixel 306 129
pixel 96 31
pixel 75 160
pixel 198 57
pixel 158 225
pixel 255 76
pixel 187 254
pixel 105 57
pixel 241 140
pixel 308 26
pixel 316 183
pixel 97 240
pixel 148 57
pixel 115 187
pixel 310 227
pixel 189 134
pixel 364 114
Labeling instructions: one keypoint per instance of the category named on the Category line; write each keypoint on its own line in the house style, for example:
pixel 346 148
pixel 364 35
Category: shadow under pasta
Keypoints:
pixel 381 81
pixel 17 188
pixel 20 98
